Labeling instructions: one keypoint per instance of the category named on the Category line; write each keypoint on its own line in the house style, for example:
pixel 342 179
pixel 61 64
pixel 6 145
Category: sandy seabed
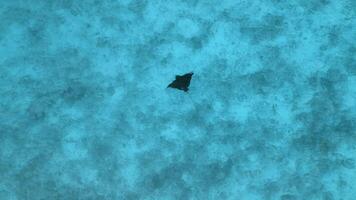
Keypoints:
pixel 85 112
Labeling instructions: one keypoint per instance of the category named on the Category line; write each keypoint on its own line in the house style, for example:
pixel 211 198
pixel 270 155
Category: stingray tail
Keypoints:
pixel 191 99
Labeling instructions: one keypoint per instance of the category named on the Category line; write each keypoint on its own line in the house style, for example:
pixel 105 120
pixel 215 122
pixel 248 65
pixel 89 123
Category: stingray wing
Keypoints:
pixel 174 84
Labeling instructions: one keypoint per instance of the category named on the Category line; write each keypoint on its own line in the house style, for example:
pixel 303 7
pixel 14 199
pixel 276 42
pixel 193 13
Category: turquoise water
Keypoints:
pixel 85 112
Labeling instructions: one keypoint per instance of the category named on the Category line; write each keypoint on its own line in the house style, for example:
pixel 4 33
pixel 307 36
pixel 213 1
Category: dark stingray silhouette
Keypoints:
pixel 182 82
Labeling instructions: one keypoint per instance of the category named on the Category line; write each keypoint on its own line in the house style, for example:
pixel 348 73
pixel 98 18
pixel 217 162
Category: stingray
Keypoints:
pixel 182 82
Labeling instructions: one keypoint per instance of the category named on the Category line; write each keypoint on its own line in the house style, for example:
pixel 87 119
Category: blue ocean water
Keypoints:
pixel 85 112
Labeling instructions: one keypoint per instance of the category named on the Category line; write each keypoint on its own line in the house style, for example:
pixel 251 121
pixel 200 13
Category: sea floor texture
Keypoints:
pixel 85 112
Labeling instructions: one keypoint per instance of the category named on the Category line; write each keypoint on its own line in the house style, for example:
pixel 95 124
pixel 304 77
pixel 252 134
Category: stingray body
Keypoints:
pixel 182 82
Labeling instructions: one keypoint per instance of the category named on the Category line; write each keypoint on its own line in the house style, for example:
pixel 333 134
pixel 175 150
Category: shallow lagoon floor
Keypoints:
pixel 85 112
